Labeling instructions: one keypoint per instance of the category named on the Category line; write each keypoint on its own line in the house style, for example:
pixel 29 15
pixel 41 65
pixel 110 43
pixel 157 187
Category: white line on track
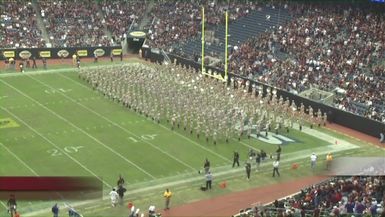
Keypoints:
pixel 20 160
pixel 195 143
pixel 78 128
pixel 233 172
pixel 55 145
pixel 112 123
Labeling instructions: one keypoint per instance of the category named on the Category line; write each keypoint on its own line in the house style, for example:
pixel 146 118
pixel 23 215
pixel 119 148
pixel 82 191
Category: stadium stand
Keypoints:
pixel 178 23
pixel 18 26
pixel 73 23
pixel 326 47
pixel 120 15
pixel 293 47
pixel 339 196
pixel 243 28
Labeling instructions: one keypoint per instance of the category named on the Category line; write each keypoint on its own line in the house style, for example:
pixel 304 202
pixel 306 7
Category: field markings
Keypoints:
pixel 112 123
pixel 78 128
pixel 55 145
pixel 244 144
pixel 20 160
pixel 161 125
pixel 3 205
pixel 220 176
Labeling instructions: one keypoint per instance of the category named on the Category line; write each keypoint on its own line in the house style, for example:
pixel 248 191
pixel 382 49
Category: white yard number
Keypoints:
pixel 69 149
pixel 149 136
pixel 144 137
pixel 53 91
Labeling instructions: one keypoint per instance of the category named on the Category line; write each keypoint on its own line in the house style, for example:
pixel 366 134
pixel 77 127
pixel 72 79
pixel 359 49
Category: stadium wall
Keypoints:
pixel 55 53
pixel 344 118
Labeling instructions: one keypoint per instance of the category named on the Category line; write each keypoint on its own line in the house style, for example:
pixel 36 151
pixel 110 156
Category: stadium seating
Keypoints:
pixel 293 47
pixel 18 25
pixel 324 46
pixel 120 15
pixel 73 23
pixel 330 198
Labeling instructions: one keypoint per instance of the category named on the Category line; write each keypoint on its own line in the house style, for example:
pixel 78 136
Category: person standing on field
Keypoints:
pixel 206 166
pixel 248 170
pixel 313 160
pixel 209 180
pixel 236 158
pixel 120 181
pixel 55 210
pixel 121 190
pixel 329 159
pixel 167 195
pixel 114 197
pixel 276 168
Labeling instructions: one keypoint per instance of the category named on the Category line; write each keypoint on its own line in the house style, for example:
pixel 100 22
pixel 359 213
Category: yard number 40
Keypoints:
pixel 144 137
pixel 69 149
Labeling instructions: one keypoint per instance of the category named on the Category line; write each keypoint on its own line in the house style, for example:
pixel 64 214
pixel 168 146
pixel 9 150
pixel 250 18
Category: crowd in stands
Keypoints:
pixel 18 26
pixel 324 47
pixel 353 196
pixel 120 15
pixel 178 21
pixel 73 23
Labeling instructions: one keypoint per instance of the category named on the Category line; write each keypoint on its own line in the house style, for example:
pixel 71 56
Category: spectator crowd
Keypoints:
pixel 120 15
pixel 341 196
pixel 330 47
pixel 326 47
pixel 18 27
pixel 73 23
pixel 179 21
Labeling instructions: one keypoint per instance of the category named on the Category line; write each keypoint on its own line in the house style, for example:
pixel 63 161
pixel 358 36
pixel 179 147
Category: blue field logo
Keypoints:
pixel 275 139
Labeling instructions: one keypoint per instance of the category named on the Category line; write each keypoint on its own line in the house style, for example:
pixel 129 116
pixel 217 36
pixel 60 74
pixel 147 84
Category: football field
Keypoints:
pixel 54 124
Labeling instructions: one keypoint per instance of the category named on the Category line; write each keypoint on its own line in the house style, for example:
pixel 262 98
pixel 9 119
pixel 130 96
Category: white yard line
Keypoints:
pixel 20 160
pixel 80 130
pixel 55 145
pixel 244 144
pixel 51 71
pixel 5 206
pixel 161 125
pixel 264 169
pixel 48 71
pixel 117 125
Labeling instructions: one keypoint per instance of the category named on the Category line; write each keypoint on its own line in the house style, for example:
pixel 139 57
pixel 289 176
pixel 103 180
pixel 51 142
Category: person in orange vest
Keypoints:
pixel 167 195
pixel 329 159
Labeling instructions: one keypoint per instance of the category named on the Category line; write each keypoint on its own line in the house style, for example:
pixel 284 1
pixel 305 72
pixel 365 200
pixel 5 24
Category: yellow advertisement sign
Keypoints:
pixel 46 53
pixel 116 52
pixel 9 54
pixel 82 53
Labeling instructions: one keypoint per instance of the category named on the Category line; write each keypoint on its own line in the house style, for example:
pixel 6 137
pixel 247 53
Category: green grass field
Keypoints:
pixel 58 126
